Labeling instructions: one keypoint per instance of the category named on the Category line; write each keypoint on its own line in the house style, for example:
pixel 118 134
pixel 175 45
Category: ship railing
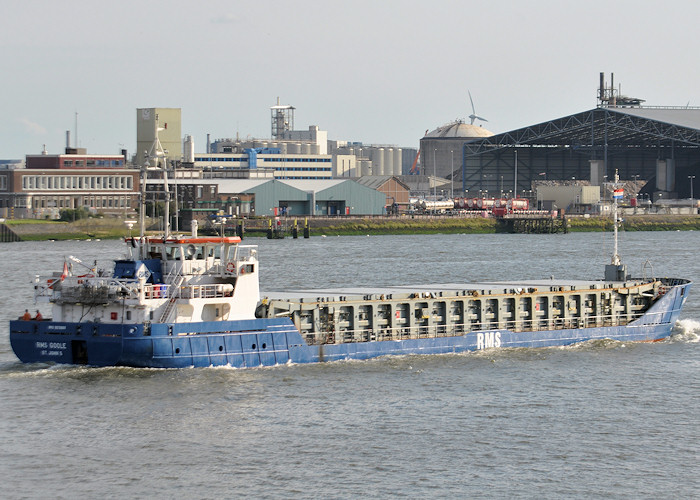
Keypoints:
pixel 88 289
pixel 340 336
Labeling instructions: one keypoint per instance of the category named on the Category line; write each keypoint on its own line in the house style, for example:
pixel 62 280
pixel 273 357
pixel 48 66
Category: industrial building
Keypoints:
pixel 397 193
pixel 199 198
pixel 657 146
pixel 51 183
pixel 264 162
pixel 168 122
pixel 441 149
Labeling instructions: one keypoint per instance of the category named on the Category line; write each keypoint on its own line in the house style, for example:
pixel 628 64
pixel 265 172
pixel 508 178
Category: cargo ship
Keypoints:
pixel 194 301
pixel 179 301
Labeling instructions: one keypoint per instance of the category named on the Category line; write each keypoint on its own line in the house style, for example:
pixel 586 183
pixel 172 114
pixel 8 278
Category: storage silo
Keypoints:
pixel 388 161
pixel 365 167
pixel 378 161
pixel 294 148
pixel 398 155
pixel 189 149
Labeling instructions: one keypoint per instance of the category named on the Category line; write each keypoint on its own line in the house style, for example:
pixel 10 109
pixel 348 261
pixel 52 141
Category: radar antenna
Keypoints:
pixel 474 116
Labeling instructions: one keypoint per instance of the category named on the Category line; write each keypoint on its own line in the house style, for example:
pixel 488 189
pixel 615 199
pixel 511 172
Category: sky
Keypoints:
pixel 378 72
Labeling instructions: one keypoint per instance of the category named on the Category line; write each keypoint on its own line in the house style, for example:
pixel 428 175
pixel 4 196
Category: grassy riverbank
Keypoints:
pixel 638 223
pixel 38 230
pixel 42 230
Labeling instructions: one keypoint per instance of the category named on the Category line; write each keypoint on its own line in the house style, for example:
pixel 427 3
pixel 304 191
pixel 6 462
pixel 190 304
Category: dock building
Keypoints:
pixel 657 145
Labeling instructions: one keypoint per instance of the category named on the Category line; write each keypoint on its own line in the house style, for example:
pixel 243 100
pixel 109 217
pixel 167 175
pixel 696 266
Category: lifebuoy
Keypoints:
pixel 231 267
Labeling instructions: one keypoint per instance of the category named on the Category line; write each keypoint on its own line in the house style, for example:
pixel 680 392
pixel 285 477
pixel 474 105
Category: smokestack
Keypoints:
pixel 612 89
pixel 602 87
pixel 67 139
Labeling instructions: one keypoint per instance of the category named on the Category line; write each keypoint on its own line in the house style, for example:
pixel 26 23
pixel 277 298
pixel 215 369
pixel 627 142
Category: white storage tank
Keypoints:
pixel 189 149
pixel 365 167
pixel 378 161
pixel 388 166
pixel 398 153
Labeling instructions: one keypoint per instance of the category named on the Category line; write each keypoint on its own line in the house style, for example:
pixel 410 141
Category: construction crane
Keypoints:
pixel 414 167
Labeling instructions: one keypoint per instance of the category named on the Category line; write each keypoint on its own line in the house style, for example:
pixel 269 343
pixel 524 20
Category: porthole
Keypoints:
pixel 177 350
pixel 253 346
pixel 264 345
pixel 221 348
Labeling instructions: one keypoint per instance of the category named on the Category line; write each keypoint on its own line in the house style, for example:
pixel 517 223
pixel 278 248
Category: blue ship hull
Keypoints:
pixel 270 342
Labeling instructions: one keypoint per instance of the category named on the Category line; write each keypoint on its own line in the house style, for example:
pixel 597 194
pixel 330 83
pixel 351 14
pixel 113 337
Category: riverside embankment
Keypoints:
pixel 38 230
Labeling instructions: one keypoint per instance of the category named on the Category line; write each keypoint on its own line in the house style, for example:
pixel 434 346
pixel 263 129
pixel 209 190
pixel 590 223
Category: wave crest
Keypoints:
pixel 686 330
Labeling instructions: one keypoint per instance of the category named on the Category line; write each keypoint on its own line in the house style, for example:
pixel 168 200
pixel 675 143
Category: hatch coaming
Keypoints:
pixel 340 319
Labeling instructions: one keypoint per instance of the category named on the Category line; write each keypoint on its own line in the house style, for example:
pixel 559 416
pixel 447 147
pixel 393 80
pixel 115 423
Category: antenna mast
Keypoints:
pixel 616 256
pixel 616 270
pixel 159 153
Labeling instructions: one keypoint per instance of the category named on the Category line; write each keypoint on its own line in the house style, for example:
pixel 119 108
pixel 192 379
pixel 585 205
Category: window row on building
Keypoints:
pixel 244 159
pixel 96 202
pixel 89 202
pixel 92 163
pixel 304 169
pixel 39 182
pixel 296 160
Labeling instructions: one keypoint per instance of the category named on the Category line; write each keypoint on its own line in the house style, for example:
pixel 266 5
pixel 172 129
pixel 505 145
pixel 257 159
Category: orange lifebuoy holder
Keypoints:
pixel 231 267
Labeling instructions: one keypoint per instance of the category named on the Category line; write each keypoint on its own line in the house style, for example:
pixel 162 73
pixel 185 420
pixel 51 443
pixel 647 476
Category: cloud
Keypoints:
pixel 32 127
pixel 225 19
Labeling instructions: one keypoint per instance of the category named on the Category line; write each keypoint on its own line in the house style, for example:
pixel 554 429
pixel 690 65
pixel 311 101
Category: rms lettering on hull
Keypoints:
pixel 488 339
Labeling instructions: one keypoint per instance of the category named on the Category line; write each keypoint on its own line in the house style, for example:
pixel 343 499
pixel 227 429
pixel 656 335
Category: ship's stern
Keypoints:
pixel 67 343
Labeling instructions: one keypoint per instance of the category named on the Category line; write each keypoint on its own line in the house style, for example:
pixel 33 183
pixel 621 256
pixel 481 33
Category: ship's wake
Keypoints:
pixel 686 330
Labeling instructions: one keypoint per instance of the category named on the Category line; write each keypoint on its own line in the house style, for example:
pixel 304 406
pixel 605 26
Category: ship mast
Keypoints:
pixel 616 256
pixel 159 153
pixel 616 270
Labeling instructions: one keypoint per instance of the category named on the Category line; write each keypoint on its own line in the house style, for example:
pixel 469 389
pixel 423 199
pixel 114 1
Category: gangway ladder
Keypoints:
pixel 170 306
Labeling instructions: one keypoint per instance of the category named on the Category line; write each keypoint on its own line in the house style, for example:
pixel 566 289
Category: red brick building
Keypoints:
pixel 50 183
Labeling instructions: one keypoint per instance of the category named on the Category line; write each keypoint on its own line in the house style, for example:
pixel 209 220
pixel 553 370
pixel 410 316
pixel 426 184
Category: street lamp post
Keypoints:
pixel 452 175
pixel 434 176
pixel 691 177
